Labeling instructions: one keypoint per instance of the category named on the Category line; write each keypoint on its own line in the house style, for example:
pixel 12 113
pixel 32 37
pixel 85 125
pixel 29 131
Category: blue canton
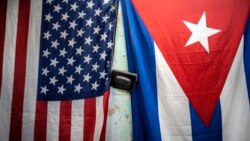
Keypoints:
pixel 76 49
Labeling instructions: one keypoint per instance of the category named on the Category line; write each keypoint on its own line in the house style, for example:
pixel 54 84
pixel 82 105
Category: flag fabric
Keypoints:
pixel 55 61
pixel 191 71
pixel 246 54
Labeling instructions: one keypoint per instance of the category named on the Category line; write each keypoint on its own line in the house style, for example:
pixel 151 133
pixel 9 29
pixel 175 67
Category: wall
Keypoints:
pixel 119 124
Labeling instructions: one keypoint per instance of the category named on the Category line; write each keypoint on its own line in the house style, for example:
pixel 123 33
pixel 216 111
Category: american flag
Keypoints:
pixel 55 60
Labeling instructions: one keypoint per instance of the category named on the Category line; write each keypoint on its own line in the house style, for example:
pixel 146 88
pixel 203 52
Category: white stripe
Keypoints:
pixel 53 118
pixel 174 114
pixel 77 120
pixel 234 102
pixel 99 118
pixel 31 71
pixel 8 68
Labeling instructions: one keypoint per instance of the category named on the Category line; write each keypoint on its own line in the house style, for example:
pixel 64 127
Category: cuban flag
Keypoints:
pixel 192 60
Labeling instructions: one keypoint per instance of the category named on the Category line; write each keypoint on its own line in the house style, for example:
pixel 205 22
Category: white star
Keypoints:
pixel 53 62
pixel 65 16
pixel 110 44
pixel 64 34
pixel 78 69
pixel 48 17
pixel 94 86
pixel 71 61
pixel 112 8
pixel 103 55
pixel 98 12
pixel 95 67
pixel 46 35
pixel 46 53
pixel 78 88
pixel 72 24
pixel 90 4
pixel 44 90
pixel 86 77
pixel 87 59
pixel 81 14
pixel 200 32
pixel 62 52
pixel 71 42
pixel 88 40
pixel 105 1
pixel 79 51
pixel 70 79
pixel 89 22
pixel 110 26
pixel 73 6
pixel 53 80
pixel 56 26
pixel 61 89
pixel 105 18
pixel 62 71
pixel 97 30
pixel 45 71
pixel 49 1
pixel 54 44
pixel 66 1
pixel 80 32
pixel 57 8
pixel 103 74
pixel 104 36
pixel 95 48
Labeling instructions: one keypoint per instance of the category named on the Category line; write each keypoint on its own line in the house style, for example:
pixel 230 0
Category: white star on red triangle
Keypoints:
pixel 200 32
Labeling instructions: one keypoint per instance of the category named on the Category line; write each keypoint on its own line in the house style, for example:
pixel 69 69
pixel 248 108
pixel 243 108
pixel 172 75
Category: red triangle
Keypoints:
pixel 201 75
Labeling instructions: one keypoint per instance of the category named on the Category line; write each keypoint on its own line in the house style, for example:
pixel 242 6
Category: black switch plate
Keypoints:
pixel 123 80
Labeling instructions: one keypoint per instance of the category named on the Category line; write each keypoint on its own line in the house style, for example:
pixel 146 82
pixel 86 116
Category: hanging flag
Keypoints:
pixel 55 60
pixel 189 60
pixel 246 54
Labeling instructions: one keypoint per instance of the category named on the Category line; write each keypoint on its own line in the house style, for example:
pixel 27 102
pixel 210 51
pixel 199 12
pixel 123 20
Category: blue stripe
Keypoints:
pixel 214 132
pixel 202 133
pixel 141 59
pixel 247 55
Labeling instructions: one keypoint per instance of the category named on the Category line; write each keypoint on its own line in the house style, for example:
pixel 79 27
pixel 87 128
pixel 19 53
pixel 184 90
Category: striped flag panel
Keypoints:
pixel 193 68
pixel 55 60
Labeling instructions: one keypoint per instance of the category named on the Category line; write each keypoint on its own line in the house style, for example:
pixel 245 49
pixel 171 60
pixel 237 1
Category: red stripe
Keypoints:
pixel 105 110
pixel 41 121
pixel 89 119
pixel 3 9
pixel 19 74
pixel 65 121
